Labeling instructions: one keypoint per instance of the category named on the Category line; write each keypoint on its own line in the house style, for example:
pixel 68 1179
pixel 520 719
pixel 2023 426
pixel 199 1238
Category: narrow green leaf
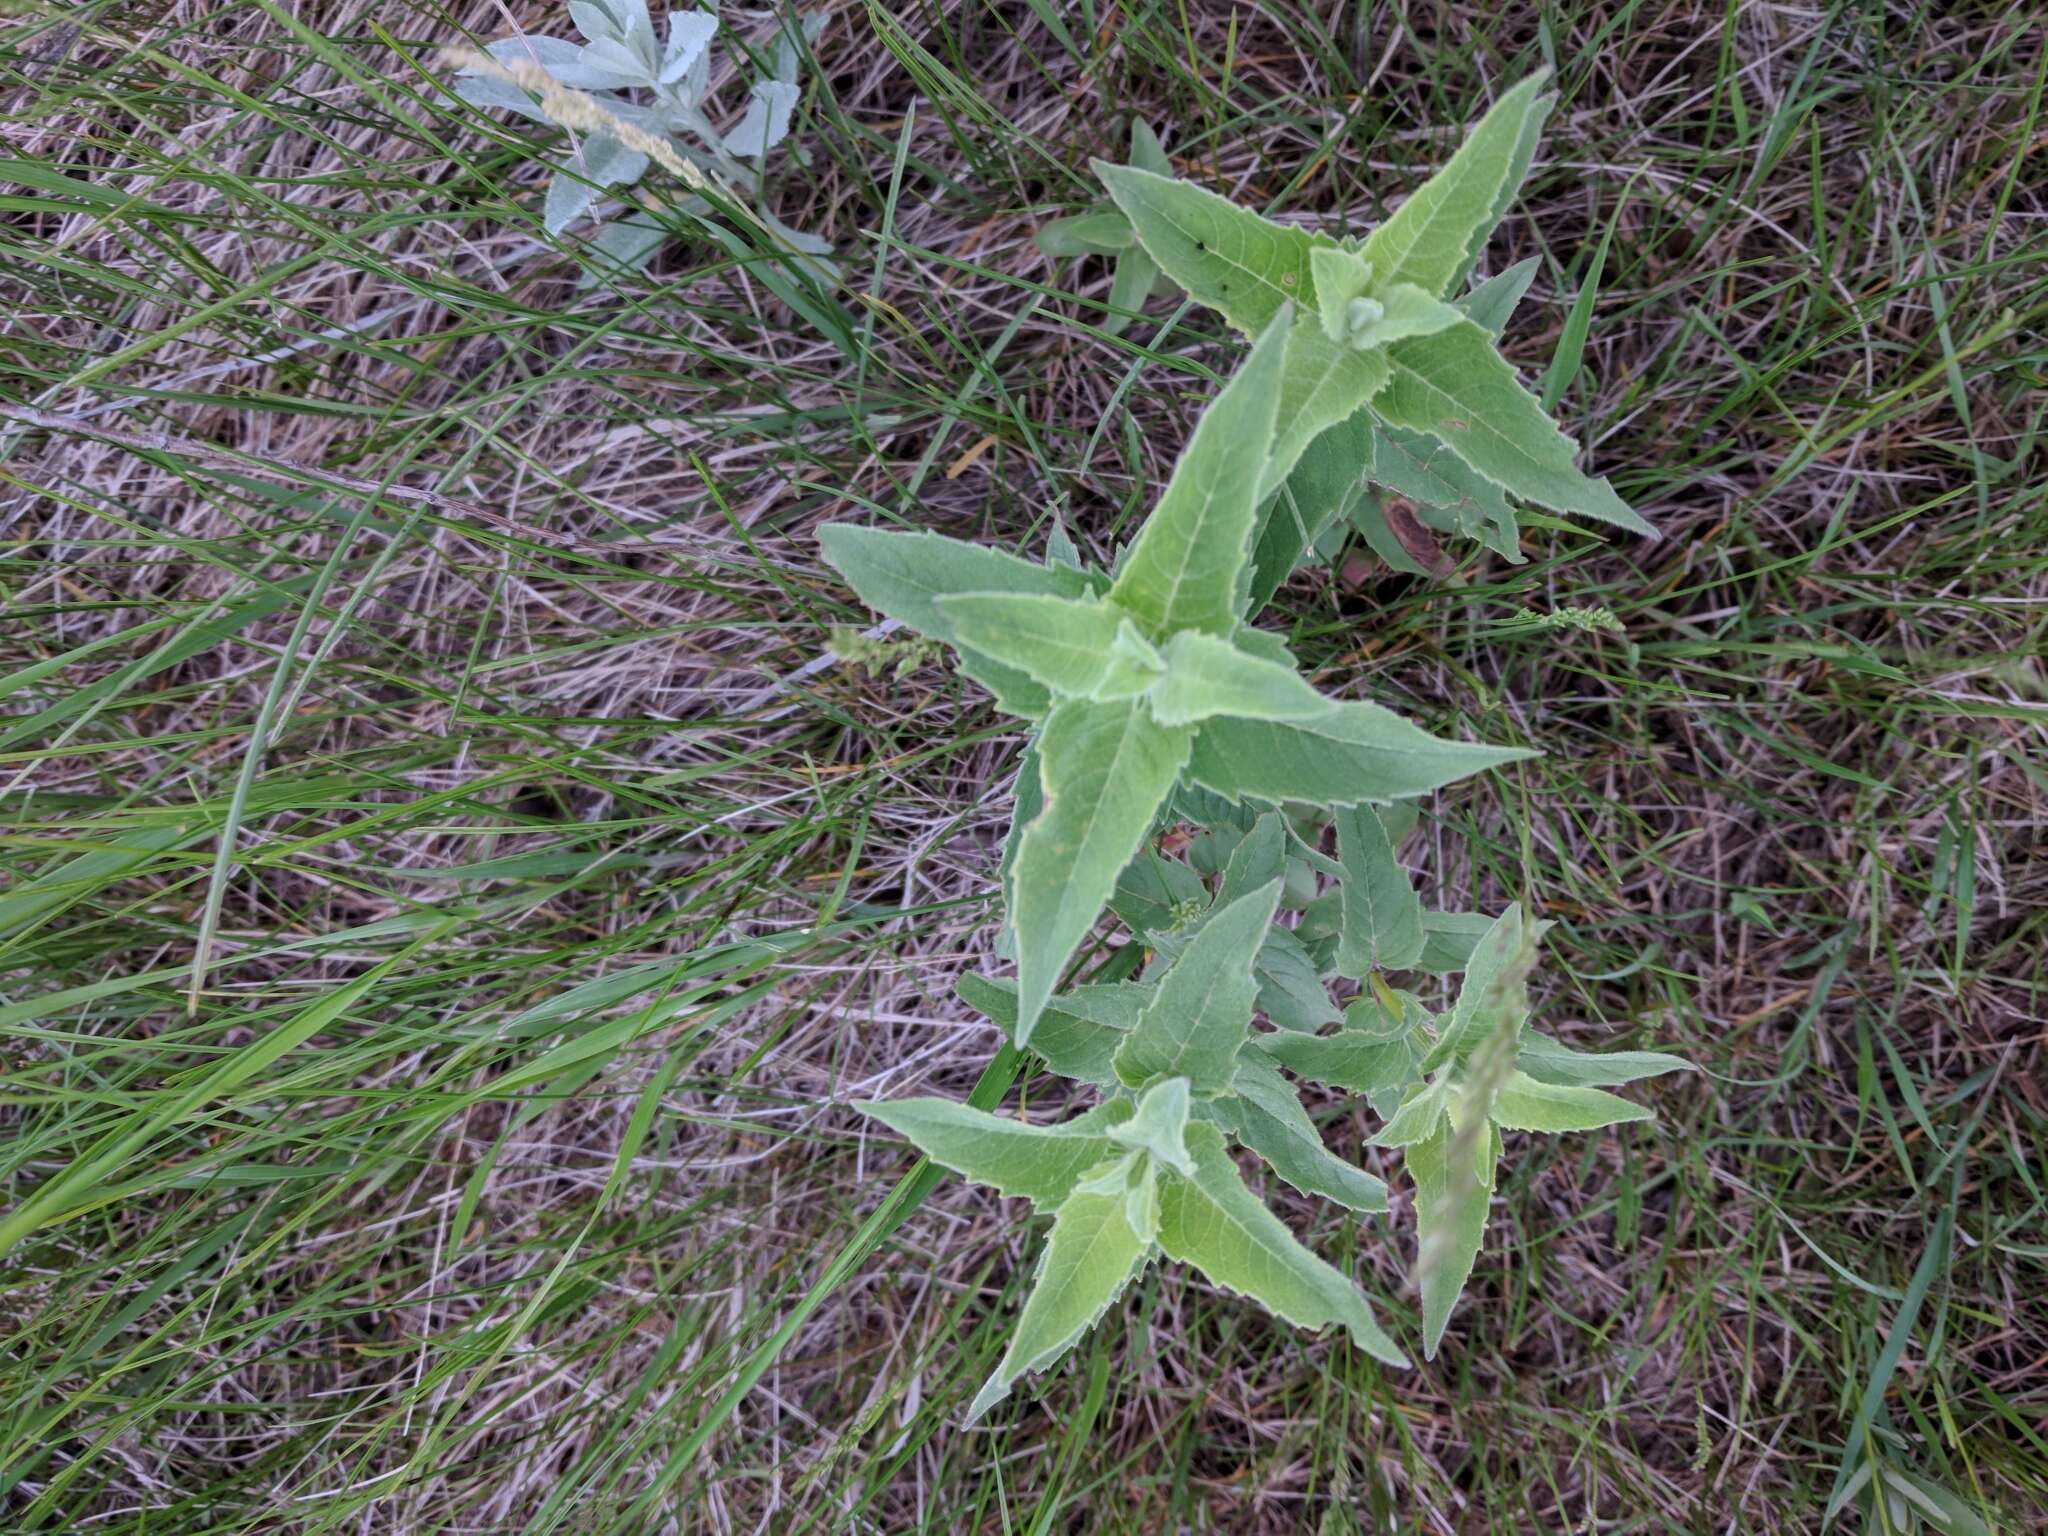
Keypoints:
pixel 1206 676
pixel 1073 647
pixel 1551 1061
pixel 1271 1121
pixel 1431 239
pixel 1227 258
pixel 1200 1017
pixel 1348 1060
pixel 1525 1104
pixel 1494 996
pixel 1091 1255
pixel 1519 161
pixel 1220 1227
pixel 1159 1126
pixel 1452 1192
pixel 902 575
pixel 1040 1163
pixel 1454 386
pixel 1105 770
pixel 1359 752
pixel 1421 1115
pixel 1382 915
pixel 1325 383
pixel 1103 232
pixel 1492 304
pixel 1183 571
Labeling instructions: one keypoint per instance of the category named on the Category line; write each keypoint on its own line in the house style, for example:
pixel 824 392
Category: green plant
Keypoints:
pixel 1152 695
pixel 1392 370
pixel 621 53
pixel 1106 232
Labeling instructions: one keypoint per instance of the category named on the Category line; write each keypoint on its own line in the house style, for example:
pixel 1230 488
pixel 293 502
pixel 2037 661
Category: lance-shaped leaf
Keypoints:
pixel 1551 1061
pixel 1523 1103
pixel 1228 258
pixel 1421 1115
pixel 1183 571
pixel 1358 752
pixel 1453 1177
pixel 1220 1227
pixel 1041 1163
pixel 1259 858
pixel 1105 770
pixel 1454 386
pixel 1207 676
pixel 1200 1017
pixel 1492 304
pixel 1349 1059
pixel 1074 648
pixel 1103 232
pixel 902 575
pixel 1494 996
pixel 1159 1126
pixel 1431 238
pixel 1078 1035
pixel 1271 1121
pixel 1382 914
pixel 1325 383
pixel 1090 1257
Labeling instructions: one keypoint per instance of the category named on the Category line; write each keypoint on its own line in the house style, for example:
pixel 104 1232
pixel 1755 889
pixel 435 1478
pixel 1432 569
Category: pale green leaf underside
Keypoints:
pixel 1382 915
pixel 1105 770
pixel 1207 676
pixel 1451 1199
pixel 1221 1228
pixel 1271 1121
pixel 1457 388
pixel 1182 573
pixel 1039 1163
pixel 901 575
pixel 1091 1255
pixel 1359 752
pixel 1200 1017
pixel 1430 239
pixel 1226 257
pixel 1525 1104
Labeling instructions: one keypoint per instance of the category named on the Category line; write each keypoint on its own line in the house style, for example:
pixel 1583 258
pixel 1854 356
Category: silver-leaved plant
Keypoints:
pixel 659 84
pixel 1153 700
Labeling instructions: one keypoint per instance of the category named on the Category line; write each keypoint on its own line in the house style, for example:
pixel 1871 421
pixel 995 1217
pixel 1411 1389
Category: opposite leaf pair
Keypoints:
pixel 1150 1171
pixel 1145 677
